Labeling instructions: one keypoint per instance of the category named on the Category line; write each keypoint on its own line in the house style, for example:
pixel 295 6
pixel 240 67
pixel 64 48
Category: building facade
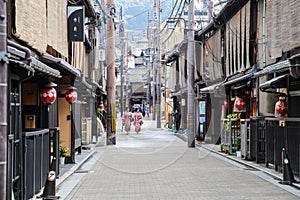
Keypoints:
pixel 252 61
pixel 43 67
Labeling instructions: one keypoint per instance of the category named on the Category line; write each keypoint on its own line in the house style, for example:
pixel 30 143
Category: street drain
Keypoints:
pixel 250 169
pixel 82 171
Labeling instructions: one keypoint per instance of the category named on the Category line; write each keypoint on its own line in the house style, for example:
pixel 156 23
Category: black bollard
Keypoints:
pixel 288 176
pixel 50 186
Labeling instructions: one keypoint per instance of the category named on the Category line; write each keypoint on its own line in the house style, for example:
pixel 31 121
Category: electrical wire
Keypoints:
pixel 171 14
pixel 74 2
pixel 182 8
pixel 145 11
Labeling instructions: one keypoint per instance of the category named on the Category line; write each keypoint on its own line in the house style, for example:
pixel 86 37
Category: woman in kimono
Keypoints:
pixel 137 120
pixel 127 120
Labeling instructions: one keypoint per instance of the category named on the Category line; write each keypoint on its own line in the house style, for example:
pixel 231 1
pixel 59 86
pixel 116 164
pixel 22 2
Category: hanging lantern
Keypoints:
pixel 280 108
pixel 226 103
pixel 71 94
pixel 100 107
pixel 240 103
pixel 48 94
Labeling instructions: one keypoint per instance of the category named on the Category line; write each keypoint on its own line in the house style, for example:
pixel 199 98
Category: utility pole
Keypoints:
pixel 122 67
pixel 190 74
pixel 158 67
pixel 154 64
pixel 111 85
pixel 148 61
pixel 3 98
pixel 126 78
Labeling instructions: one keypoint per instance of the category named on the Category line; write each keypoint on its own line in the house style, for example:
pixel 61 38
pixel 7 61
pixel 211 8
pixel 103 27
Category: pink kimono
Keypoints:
pixel 127 122
pixel 137 121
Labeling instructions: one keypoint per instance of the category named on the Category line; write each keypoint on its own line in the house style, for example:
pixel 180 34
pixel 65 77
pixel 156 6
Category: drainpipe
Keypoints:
pixel 21 48
pixel 264 52
pixel 3 99
pixel 264 32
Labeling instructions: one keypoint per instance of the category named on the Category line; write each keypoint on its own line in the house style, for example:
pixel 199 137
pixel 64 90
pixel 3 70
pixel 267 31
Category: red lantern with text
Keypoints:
pixel 226 103
pixel 240 103
pixel 280 107
pixel 71 95
pixel 48 95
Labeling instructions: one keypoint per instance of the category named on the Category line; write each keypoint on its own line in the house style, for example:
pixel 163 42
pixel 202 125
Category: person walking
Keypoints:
pixel 138 120
pixel 127 116
pixel 148 109
pixel 177 119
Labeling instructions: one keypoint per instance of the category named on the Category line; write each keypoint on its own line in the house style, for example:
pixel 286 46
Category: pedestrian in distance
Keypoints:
pixel 126 119
pixel 148 109
pixel 177 119
pixel 138 120
pixel 143 110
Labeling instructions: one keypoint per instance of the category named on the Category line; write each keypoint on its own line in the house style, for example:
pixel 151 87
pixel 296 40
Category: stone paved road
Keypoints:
pixel 158 165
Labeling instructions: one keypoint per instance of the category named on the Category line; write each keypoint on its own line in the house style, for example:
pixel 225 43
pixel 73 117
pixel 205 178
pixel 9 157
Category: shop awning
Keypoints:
pixel 238 78
pixel 21 64
pixel 15 52
pixel 84 83
pixel 39 66
pixel 175 52
pixel 277 67
pixel 61 63
pixel 212 88
pixel 99 88
pixel 277 82
pixel 179 92
pixel 84 87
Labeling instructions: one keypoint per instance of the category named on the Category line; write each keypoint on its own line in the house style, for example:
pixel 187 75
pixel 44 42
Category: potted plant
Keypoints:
pixel 237 144
pixel 63 153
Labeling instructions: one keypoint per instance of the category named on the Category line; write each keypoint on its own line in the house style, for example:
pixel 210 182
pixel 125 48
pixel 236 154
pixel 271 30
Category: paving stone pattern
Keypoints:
pixel 156 164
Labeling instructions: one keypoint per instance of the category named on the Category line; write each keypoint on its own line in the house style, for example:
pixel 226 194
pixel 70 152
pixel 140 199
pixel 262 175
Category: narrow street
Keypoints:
pixel 156 164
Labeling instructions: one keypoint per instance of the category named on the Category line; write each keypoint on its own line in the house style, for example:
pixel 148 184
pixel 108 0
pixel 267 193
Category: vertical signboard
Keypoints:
pixel 76 16
pixel 202 119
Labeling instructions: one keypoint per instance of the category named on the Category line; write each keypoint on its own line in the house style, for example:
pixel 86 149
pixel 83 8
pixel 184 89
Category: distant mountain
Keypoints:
pixel 135 12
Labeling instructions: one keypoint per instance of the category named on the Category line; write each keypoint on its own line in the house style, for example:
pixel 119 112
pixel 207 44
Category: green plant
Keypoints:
pixel 63 151
pixel 222 147
pixel 229 118
pixel 226 148
pixel 237 143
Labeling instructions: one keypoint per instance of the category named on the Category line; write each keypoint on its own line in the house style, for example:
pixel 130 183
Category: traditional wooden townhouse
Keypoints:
pixel 44 109
pixel 229 63
pixel 174 65
pixel 277 124
pixel 257 60
pixel 89 84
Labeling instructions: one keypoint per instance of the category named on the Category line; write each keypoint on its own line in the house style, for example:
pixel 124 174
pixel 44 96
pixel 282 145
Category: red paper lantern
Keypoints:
pixel 101 106
pixel 281 107
pixel 71 95
pixel 226 103
pixel 48 95
pixel 240 103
